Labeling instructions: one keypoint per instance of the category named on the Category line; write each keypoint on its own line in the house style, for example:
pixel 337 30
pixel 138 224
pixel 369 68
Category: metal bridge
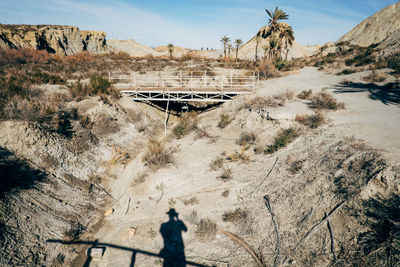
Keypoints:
pixel 186 86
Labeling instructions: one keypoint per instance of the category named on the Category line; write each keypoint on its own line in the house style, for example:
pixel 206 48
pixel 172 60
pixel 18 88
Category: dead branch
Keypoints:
pixel 129 202
pixel 278 244
pixel 316 227
pixel 331 236
pixel 265 177
pixel 102 188
pixel 246 246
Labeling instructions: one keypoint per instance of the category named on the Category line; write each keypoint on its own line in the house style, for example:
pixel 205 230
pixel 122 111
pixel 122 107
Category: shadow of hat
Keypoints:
pixel 172 212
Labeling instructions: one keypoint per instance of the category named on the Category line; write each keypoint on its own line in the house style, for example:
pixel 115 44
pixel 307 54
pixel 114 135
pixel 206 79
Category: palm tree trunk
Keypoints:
pixel 224 50
pixel 255 59
pixel 237 51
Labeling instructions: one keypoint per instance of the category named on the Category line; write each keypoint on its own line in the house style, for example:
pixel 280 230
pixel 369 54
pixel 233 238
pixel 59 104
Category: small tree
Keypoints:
pixel 170 49
pixel 238 43
pixel 229 50
pixel 225 40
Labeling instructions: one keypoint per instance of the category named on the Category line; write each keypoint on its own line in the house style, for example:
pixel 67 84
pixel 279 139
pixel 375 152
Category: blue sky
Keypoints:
pixel 193 23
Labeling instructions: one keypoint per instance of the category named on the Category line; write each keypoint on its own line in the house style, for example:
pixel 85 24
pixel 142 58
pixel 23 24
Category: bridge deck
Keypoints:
pixel 181 88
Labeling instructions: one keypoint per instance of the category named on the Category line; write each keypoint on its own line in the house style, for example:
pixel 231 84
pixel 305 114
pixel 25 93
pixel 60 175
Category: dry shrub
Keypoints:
pixel 206 229
pixel 225 193
pixel 190 56
pixel 247 138
pixel 324 100
pixel 226 175
pixel 305 94
pixel 191 201
pixel 239 156
pixel 24 55
pixel 282 139
pixel 187 123
pixel 312 121
pixel 296 166
pixel 288 94
pixel 157 155
pixel 234 216
pixel 217 163
pixel 224 120
pixel 192 218
pixel 79 57
pixel 375 76
pixel 97 86
pixel 261 102
pixel 268 70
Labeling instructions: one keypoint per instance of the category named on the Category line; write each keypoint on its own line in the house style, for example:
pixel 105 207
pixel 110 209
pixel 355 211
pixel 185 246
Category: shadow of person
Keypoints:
pixel 173 251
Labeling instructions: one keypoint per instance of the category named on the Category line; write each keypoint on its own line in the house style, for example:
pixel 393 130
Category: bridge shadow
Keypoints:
pixel 172 253
pixel 388 94
pixel 176 108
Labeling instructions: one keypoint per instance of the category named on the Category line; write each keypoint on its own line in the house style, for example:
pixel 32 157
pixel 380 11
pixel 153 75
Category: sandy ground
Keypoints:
pixel 141 209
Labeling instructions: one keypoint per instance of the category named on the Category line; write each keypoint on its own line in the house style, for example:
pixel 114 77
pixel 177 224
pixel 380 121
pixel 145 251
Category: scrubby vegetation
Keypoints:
pixel 324 100
pixel 305 94
pixel 187 123
pixel 224 120
pixel 313 121
pixel 206 229
pixel 283 138
pixel 157 154
pixel 234 216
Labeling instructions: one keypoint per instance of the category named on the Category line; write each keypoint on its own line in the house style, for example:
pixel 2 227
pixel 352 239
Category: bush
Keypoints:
pixel 97 86
pixel 247 138
pixel 157 155
pixel 312 121
pixel 226 175
pixel 374 76
pixel 282 139
pixel 24 56
pixel 206 229
pixel 346 72
pixel 187 123
pixel 216 164
pixel 305 94
pixel 234 216
pixel 393 63
pixel 296 166
pixel 224 120
pixel 324 100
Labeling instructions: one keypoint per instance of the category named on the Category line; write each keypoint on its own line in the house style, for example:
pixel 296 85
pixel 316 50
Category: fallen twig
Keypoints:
pixel 278 244
pixel 246 246
pixel 104 190
pixel 265 177
pixel 129 202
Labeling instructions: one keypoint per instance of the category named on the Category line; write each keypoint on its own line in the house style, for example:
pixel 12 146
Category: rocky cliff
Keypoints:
pixel 61 40
pixel 377 28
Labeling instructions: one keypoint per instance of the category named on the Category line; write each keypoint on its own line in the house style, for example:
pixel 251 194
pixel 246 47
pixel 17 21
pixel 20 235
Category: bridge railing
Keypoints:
pixel 193 81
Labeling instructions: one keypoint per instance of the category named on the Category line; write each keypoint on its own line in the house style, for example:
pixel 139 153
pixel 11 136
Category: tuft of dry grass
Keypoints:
pixel 296 166
pixel 186 124
pixel 224 120
pixel 324 100
pixel 225 193
pixel 282 139
pixel 190 201
pixel 375 76
pixel 311 121
pixel 192 218
pixel 247 138
pixel 157 155
pixel 305 94
pixel 206 229
pixel 226 175
pixel 239 156
pixel 217 163
pixel 234 216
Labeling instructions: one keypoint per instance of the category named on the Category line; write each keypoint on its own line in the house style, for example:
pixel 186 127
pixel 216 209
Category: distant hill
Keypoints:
pixel 131 47
pixel 61 40
pixel 381 28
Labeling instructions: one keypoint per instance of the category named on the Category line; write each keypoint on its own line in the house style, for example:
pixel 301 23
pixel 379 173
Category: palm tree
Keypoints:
pixel 257 41
pixel 238 42
pixel 170 49
pixel 287 36
pixel 225 40
pixel 229 50
pixel 273 22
